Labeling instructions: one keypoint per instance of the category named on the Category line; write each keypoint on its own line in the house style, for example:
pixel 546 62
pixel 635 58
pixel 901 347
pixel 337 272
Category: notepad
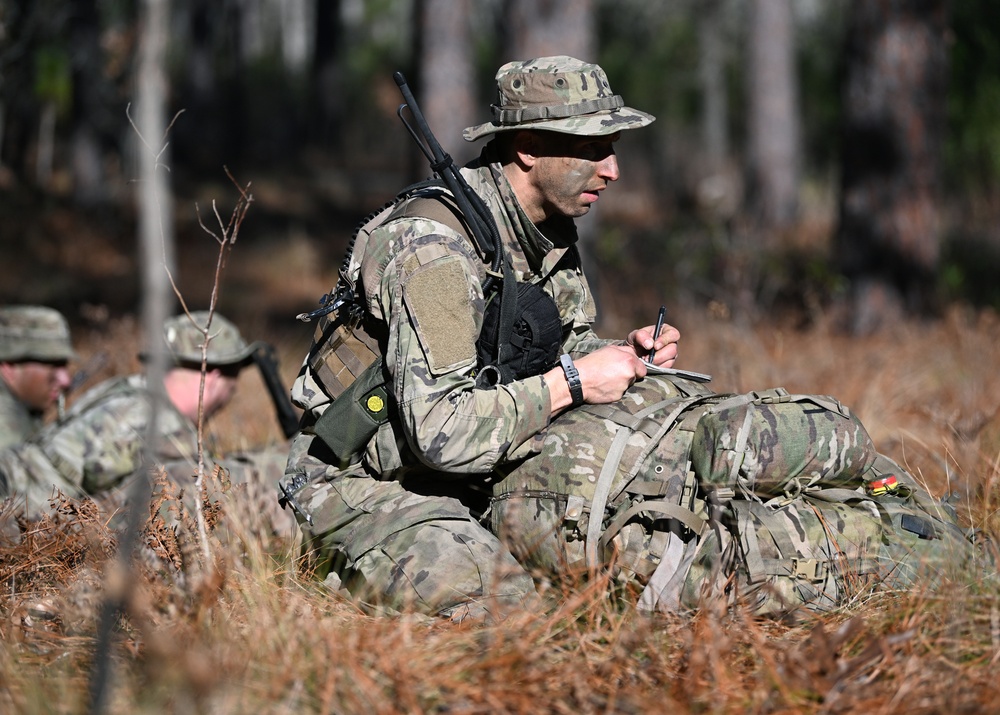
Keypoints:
pixel 686 374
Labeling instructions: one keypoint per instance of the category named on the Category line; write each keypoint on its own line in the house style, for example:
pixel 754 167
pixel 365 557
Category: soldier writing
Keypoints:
pixel 436 401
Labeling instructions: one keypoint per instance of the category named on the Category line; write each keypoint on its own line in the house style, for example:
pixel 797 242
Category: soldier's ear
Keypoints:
pixel 527 147
pixel 8 371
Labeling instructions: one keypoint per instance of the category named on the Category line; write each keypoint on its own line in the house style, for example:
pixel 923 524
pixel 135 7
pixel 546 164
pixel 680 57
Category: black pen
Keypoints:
pixel 656 332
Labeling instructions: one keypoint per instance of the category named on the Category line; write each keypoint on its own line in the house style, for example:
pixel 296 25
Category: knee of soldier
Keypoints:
pixel 315 490
pixel 448 567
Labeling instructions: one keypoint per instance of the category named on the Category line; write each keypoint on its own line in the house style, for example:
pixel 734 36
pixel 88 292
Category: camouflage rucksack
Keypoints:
pixel 682 492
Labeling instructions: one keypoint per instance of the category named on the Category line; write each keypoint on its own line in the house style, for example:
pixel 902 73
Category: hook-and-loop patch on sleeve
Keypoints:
pixel 441 298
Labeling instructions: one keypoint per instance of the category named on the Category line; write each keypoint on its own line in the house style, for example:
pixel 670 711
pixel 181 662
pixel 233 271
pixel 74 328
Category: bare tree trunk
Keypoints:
pixel 327 73
pixel 44 155
pixel 296 41
pixel 718 180
pixel 446 74
pixel 539 28
pixel 156 239
pixel 89 82
pixel 772 113
pixel 155 198
pixel 200 65
pixel 894 122
pixel 156 225
pixel 711 76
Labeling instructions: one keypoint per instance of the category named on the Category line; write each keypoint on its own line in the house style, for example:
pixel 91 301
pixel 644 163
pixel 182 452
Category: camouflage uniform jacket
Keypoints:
pixel 17 423
pixel 96 445
pixel 422 284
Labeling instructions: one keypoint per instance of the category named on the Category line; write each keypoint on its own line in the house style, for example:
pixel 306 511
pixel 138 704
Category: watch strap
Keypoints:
pixel 572 379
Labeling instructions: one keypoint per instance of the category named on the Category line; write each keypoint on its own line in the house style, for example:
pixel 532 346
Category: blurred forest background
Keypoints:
pixel 810 157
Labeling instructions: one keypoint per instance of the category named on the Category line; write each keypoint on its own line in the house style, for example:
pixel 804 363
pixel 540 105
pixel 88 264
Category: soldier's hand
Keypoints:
pixel 665 346
pixel 605 375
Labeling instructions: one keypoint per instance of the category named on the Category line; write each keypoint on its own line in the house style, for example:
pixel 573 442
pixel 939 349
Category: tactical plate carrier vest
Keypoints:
pixel 345 357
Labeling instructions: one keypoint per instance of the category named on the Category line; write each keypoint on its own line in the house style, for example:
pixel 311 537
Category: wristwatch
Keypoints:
pixel 572 379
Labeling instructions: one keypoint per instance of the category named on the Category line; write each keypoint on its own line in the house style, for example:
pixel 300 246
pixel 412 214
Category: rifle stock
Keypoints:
pixel 266 359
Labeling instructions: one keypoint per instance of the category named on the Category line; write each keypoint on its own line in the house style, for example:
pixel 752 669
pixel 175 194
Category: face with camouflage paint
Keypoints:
pixel 563 173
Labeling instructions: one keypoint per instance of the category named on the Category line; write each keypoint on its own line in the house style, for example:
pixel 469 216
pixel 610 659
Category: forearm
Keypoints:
pixel 453 426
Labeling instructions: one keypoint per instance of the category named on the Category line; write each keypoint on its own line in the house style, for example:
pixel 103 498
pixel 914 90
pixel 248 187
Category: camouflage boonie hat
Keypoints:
pixel 34 332
pixel 184 340
pixel 557 94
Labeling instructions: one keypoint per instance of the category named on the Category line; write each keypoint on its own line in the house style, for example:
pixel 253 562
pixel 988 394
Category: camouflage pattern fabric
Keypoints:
pixel 647 488
pixel 17 423
pixel 444 422
pixel 557 94
pixel 395 550
pixel 596 453
pixel 421 285
pixel 34 332
pixel 442 426
pixel 95 449
pixel 824 548
pixel 95 445
pixel 184 336
pixel 28 333
pixel 772 444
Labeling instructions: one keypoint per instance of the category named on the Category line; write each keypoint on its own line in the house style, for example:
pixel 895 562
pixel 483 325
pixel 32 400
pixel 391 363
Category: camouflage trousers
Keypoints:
pixel 394 550
pixel 683 494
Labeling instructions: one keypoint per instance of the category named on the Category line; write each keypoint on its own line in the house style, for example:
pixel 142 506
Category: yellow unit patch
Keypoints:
pixel 375 404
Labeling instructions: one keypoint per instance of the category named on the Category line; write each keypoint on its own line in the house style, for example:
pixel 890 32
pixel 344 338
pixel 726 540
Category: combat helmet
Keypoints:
pixel 183 340
pixel 557 94
pixel 34 332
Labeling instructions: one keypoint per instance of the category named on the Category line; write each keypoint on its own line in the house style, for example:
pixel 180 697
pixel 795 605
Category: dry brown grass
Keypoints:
pixel 248 633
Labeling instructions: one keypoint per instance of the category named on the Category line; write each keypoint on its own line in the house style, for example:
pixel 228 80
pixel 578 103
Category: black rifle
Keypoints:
pixel 474 210
pixel 266 359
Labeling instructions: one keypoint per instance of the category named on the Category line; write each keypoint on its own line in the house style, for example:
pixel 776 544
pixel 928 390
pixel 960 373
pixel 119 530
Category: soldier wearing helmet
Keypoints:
pixel 225 355
pixel 98 443
pixel 35 351
pixel 421 300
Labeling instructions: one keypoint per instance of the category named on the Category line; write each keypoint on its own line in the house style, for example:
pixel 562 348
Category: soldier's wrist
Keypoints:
pixel 573 380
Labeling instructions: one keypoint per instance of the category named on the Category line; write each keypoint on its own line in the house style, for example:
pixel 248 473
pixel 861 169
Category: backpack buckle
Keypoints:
pixel 575 507
pixel 809 569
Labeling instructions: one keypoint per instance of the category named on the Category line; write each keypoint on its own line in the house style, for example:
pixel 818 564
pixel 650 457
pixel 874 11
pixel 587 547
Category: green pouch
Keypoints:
pixel 356 415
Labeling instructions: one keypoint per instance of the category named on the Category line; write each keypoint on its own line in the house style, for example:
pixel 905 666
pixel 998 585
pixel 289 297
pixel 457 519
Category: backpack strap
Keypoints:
pixel 605 481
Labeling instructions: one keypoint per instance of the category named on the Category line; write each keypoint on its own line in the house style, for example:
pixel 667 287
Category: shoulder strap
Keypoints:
pixel 443 208
pixel 439 207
